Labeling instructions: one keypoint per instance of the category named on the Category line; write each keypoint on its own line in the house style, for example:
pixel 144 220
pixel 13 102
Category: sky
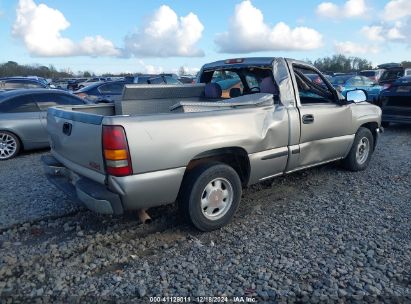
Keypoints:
pixel 162 35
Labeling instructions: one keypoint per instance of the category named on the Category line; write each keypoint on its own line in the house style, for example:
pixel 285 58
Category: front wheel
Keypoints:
pixel 360 154
pixel 9 145
pixel 210 196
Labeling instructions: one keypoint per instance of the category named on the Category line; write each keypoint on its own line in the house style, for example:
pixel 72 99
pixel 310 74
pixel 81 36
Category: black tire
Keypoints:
pixel 358 162
pixel 385 124
pixel 193 191
pixel 11 141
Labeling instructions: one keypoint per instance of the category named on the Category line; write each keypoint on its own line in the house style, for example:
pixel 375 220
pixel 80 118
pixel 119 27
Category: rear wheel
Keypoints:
pixel 9 145
pixel 210 196
pixel 361 151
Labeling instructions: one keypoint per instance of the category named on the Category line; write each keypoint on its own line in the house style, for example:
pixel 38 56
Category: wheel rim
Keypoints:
pixel 217 198
pixel 8 146
pixel 363 149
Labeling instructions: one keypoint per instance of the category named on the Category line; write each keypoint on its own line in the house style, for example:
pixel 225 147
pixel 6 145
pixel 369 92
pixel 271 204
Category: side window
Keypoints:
pixel 13 84
pixel 68 100
pixel 45 101
pixel 156 80
pixel 33 85
pixel 20 84
pixel 141 79
pixel 21 104
pixel 309 88
pixel 111 88
pixel 171 80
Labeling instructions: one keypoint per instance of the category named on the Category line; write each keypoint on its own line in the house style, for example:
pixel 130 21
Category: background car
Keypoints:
pixel 102 92
pixel 156 79
pixel 91 81
pixel 392 71
pixel 110 91
pixel 60 84
pixel 317 79
pixel 73 84
pixel 349 82
pixel 187 79
pixel 374 75
pixel 23 118
pixel 395 102
pixel 13 83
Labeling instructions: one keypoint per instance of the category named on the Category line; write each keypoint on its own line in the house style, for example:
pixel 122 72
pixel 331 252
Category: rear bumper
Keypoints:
pixel 93 195
pixel 121 193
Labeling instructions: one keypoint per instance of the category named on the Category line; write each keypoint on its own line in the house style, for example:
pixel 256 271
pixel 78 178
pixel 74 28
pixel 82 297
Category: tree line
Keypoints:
pixel 12 68
pixel 334 64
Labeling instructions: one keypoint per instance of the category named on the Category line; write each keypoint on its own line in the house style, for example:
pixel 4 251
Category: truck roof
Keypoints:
pixel 238 62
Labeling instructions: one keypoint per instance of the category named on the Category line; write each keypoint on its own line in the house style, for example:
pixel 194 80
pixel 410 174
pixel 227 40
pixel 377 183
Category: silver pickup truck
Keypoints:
pixel 245 121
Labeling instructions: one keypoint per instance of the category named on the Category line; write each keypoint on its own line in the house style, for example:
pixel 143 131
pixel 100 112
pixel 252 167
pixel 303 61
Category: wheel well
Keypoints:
pixel 372 126
pixel 235 157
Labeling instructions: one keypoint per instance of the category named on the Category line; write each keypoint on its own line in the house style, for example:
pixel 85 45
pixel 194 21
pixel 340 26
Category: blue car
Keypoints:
pixel 395 102
pixel 346 83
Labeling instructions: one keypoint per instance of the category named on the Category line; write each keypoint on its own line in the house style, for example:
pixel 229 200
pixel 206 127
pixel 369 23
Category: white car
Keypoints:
pixel 92 81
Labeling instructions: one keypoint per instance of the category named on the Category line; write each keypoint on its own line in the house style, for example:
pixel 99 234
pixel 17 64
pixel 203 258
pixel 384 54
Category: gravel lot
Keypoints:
pixel 26 195
pixel 319 235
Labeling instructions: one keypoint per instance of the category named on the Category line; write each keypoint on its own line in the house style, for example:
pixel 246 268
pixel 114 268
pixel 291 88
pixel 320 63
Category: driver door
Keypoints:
pixel 325 123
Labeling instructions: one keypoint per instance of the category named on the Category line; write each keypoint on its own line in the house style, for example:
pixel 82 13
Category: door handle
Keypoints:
pixel 67 128
pixel 308 119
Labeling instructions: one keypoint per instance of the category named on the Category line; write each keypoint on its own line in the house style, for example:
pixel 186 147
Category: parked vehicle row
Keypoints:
pixel 393 97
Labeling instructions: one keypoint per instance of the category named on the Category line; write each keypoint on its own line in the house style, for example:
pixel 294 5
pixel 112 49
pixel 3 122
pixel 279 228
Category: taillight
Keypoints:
pixel 116 152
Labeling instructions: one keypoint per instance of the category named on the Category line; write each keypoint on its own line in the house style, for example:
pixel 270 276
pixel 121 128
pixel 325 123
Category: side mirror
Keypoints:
pixel 356 96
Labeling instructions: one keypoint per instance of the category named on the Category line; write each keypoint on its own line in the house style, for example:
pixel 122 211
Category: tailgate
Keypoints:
pixel 75 138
